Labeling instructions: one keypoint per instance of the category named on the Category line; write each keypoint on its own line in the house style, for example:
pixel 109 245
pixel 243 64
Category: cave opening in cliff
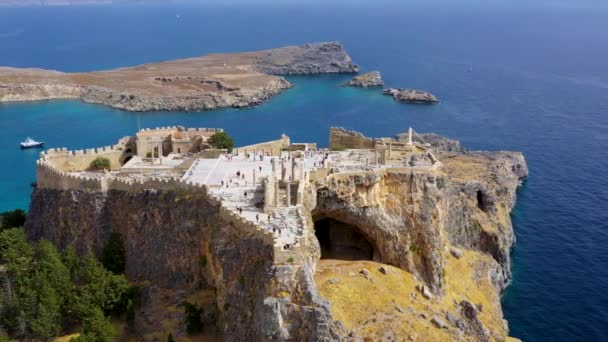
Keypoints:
pixel 480 201
pixel 342 241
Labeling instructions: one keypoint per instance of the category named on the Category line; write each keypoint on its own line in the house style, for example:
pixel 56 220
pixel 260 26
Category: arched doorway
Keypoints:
pixel 343 241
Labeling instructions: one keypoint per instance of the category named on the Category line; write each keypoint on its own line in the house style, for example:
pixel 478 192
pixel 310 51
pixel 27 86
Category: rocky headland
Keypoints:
pixel 410 95
pixel 369 79
pixel 403 238
pixel 200 83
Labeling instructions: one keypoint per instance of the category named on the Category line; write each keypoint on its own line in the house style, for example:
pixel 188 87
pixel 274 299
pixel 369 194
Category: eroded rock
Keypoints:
pixel 369 79
pixel 410 95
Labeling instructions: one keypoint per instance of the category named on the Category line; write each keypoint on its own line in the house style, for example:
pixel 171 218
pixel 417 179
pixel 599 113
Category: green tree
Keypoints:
pixel 95 328
pixel 113 254
pixel 50 281
pixel 50 292
pixel 97 287
pixel 16 260
pixel 221 140
pixel 12 219
pixel 100 163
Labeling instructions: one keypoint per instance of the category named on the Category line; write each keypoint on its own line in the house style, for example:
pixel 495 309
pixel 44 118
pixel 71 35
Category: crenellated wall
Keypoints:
pixel 181 242
pixel 80 160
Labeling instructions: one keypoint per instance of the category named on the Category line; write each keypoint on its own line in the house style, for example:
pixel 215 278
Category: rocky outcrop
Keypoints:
pixel 201 83
pixel 307 59
pixel 369 79
pixel 409 213
pixel 235 98
pixel 410 95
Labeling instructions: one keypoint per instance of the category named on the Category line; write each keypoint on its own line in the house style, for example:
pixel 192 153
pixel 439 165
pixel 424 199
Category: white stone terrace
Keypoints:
pixel 240 182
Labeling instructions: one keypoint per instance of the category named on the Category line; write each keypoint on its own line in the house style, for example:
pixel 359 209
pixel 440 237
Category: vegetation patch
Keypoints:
pixel 193 320
pixel 338 147
pixel 100 163
pixel 222 141
pixel 13 218
pixel 113 254
pixel 54 293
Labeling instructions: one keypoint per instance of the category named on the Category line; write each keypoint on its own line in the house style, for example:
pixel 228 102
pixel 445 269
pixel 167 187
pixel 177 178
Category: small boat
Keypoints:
pixel 31 143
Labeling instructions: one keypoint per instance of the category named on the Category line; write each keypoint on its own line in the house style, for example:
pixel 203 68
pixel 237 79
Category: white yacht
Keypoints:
pixel 31 143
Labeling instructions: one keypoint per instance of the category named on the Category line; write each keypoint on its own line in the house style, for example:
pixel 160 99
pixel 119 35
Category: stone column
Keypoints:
pixel 283 171
pixel 276 194
pixel 160 153
pixel 254 177
pixel 293 169
pixel 288 194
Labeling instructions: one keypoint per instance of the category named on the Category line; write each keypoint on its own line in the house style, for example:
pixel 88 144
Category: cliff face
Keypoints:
pixel 201 83
pixel 439 237
pixel 179 247
pixel 413 216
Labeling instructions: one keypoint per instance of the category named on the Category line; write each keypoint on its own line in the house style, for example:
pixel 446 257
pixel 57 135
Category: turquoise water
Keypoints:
pixel 539 85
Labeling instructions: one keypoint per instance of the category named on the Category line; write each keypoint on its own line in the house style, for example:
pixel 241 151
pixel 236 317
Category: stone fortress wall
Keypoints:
pixel 52 174
pixel 80 160
pixel 273 147
pixel 108 195
pixel 173 139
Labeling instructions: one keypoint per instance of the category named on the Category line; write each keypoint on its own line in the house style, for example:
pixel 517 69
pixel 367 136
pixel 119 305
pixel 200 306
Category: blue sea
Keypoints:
pixel 539 84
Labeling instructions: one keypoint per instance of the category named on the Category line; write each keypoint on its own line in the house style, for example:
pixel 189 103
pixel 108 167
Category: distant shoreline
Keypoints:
pixel 64 3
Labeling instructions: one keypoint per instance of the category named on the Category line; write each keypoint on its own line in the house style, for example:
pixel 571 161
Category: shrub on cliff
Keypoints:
pixel 221 140
pixel 100 163
pixel 113 254
pixel 13 218
pixel 194 323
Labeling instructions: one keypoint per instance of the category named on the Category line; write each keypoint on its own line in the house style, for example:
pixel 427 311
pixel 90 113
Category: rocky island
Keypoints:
pixel 200 83
pixel 397 238
pixel 369 79
pixel 410 95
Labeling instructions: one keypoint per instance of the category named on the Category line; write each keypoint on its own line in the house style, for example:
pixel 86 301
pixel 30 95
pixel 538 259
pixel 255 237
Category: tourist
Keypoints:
pixel 260 168
pixel 245 192
pixel 257 217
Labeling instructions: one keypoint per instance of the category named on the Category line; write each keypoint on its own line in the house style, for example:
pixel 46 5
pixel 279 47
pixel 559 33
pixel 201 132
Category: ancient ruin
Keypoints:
pixel 270 238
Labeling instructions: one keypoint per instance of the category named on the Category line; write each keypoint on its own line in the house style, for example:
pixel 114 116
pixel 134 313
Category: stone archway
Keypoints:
pixel 343 241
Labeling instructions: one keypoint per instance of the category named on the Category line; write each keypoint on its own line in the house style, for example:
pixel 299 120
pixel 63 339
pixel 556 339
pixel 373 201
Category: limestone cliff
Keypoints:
pixel 181 247
pixel 431 219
